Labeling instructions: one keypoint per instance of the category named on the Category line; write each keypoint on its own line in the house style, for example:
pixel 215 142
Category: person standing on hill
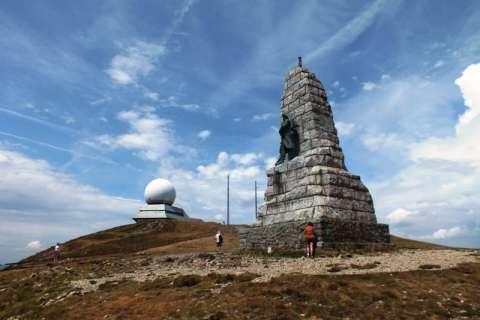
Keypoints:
pixel 310 237
pixel 219 241
pixel 56 253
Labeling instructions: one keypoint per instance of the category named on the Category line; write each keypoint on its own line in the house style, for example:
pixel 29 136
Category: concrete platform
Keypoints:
pixel 160 211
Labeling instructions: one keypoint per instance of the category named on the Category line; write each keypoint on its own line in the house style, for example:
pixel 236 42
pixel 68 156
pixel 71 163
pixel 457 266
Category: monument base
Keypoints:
pixel 331 232
pixel 160 211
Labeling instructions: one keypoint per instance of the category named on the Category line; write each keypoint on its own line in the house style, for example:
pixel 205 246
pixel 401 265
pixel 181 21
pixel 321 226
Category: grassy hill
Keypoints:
pixel 165 236
pixel 38 289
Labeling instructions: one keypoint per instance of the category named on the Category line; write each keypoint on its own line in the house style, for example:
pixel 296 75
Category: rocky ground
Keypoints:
pixel 171 271
pixel 266 268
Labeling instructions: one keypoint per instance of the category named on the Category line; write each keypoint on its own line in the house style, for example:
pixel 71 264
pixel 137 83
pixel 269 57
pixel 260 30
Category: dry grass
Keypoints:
pixel 401 243
pixel 421 294
pixel 165 236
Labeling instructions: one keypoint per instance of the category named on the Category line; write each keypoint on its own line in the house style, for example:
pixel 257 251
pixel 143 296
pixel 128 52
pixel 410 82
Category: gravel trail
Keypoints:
pixel 269 267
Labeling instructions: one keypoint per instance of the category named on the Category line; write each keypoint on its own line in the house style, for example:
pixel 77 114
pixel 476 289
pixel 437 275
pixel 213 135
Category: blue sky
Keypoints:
pixel 98 98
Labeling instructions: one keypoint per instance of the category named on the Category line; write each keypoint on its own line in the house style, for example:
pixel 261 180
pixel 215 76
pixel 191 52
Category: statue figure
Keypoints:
pixel 289 143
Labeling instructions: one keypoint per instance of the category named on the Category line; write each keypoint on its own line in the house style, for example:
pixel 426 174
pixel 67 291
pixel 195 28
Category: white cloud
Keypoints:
pixel 440 182
pixel 270 162
pixel 368 86
pixel 385 77
pixel 244 159
pixel 336 84
pixel 35 244
pixel 150 135
pixel 262 117
pixel 152 95
pixel 203 191
pixel 137 61
pixel 39 202
pixel 399 215
pixel 462 147
pixel 344 128
pixel 448 233
pixel 237 119
pixel 204 134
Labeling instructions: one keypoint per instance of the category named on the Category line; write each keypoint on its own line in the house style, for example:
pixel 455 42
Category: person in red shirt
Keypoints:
pixel 309 233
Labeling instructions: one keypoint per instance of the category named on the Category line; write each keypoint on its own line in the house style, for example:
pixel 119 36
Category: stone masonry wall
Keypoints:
pixel 331 232
pixel 316 183
pixel 305 102
pixel 314 186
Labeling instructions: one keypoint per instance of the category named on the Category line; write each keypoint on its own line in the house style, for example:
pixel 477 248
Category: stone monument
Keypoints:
pixel 159 197
pixel 310 181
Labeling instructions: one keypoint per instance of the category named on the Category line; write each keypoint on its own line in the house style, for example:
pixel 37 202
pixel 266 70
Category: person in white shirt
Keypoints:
pixel 56 253
pixel 219 240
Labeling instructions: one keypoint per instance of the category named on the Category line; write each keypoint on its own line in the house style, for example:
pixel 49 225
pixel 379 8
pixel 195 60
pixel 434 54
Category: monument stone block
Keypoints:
pixel 310 182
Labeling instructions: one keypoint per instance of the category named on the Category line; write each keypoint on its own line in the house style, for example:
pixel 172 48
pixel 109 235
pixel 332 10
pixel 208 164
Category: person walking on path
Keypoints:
pixel 309 233
pixel 56 253
pixel 219 241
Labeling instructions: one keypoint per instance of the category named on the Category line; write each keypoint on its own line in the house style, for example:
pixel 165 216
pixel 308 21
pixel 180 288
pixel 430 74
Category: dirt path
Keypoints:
pixel 268 268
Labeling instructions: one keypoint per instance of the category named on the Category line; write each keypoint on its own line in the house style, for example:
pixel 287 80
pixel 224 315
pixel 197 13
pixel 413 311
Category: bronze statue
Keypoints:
pixel 289 143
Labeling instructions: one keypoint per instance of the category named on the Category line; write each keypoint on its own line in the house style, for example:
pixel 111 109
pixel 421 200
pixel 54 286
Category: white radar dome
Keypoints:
pixel 160 191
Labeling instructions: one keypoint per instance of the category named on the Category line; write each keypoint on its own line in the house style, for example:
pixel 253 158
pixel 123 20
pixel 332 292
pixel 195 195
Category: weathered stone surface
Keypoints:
pixel 289 235
pixel 315 185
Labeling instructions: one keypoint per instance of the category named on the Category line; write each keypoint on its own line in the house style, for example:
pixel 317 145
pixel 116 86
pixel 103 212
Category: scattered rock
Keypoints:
pixel 429 266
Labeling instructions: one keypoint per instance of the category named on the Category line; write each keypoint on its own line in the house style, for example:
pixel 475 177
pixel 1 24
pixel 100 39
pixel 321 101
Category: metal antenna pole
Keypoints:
pixel 228 199
pixel 256 206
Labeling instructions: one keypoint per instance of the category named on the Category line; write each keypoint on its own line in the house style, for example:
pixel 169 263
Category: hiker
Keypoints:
pixel 219 241
pixel 310 237
pixel 56 253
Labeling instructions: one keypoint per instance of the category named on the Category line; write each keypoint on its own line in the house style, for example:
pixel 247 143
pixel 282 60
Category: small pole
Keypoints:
pixel 228 199
pixel 256 206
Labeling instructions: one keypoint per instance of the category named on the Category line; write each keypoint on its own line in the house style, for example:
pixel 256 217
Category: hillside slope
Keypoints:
pixel 166 270
pixel 167 237
pixel 159 236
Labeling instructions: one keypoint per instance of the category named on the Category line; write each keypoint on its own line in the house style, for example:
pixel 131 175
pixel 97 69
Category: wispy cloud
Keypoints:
pixel 100 101
pixel 58 148
pixel 349 32
pixel 137 61
pixel 262 117
pixel 45 123
pixel 172 102
pixel 368 86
